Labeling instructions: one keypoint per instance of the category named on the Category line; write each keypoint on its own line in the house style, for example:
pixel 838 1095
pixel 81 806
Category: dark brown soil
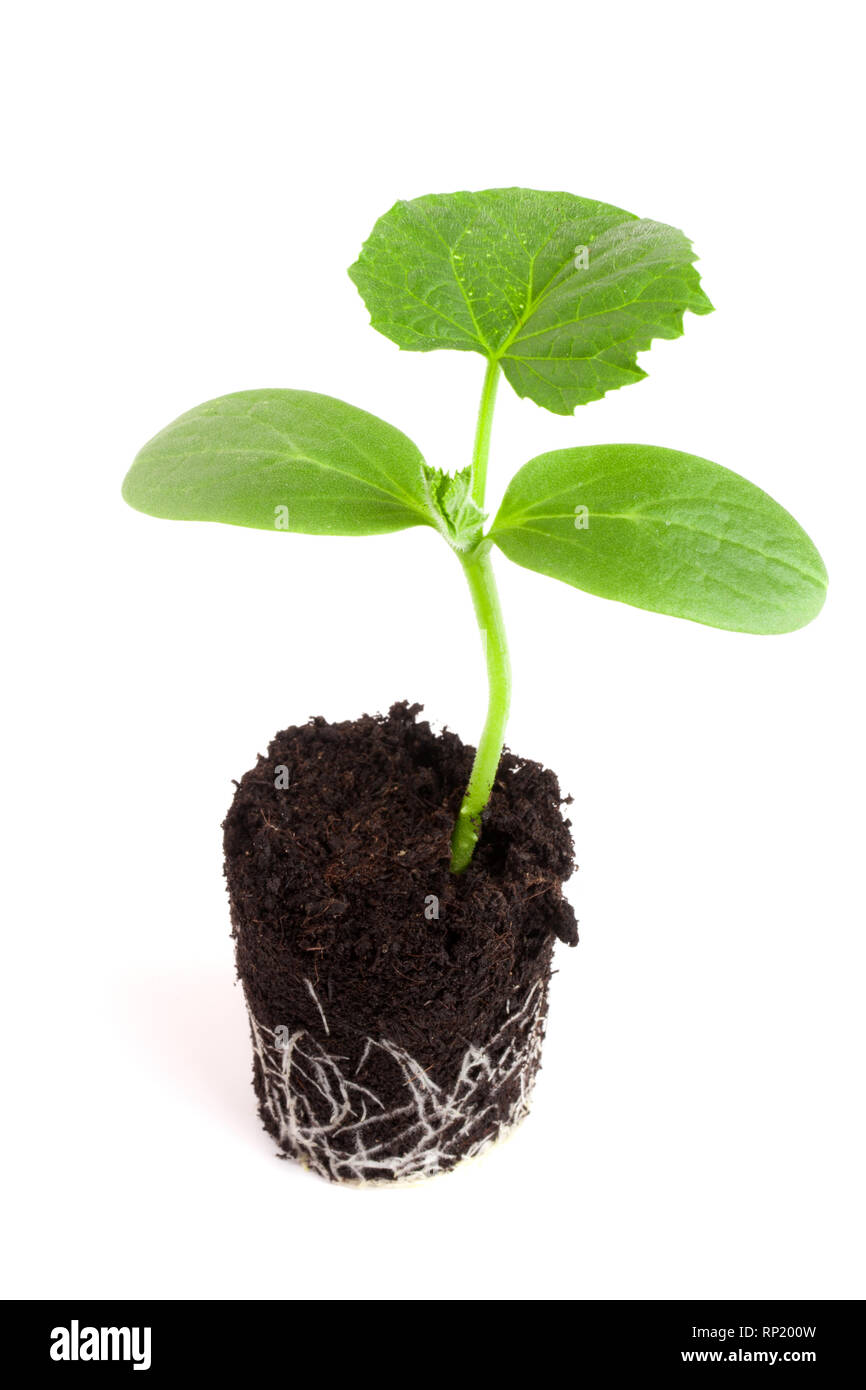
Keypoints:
pixel 335 882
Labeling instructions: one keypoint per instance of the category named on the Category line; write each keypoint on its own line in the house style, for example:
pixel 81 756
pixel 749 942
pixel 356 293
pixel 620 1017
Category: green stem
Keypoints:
pixel 485 598
pixel 483 431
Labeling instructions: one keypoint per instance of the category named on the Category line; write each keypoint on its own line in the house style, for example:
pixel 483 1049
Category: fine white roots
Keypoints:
pixel 341 1129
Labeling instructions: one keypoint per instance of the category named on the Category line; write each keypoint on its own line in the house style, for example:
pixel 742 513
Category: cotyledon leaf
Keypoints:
pixel 562 291
pixel 662 530
pixel 284 460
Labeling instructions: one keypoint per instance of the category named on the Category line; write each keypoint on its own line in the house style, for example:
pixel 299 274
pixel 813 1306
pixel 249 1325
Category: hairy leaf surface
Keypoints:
pixel 562 291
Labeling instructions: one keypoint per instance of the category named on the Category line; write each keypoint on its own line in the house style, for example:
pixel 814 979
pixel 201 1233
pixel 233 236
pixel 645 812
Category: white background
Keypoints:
pixel 186 185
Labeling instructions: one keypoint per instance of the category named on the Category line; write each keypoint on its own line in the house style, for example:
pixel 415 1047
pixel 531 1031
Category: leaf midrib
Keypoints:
pixel 403 498
pixel 652 521
pixel 297 455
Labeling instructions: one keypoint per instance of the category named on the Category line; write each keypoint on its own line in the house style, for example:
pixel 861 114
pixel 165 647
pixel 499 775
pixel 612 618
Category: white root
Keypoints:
pixel 333 1123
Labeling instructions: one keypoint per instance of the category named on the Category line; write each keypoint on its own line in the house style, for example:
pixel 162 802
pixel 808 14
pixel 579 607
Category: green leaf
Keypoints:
pixel 285 461
pixel 663 530
pixel 562 291
pixel 458 517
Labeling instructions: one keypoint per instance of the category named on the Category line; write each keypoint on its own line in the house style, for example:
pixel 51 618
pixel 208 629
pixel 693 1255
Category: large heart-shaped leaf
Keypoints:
pixel 662 530
pixel 284 460
pixel 562 291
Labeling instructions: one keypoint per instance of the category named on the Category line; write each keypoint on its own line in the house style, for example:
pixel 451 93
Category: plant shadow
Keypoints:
pixel 191 1029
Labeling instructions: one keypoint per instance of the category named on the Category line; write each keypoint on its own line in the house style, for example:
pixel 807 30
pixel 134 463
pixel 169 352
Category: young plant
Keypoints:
pixel 559 294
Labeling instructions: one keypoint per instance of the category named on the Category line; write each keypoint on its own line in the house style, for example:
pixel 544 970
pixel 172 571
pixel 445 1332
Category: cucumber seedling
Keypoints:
pixel 391 1042
pixel 558 294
